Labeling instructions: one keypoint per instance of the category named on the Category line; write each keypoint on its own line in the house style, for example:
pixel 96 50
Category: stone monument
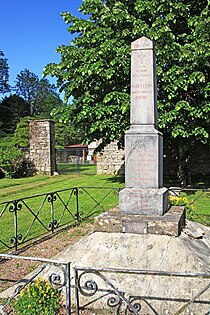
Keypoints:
pixel 144 192
pixel 143 203
pixel 42 145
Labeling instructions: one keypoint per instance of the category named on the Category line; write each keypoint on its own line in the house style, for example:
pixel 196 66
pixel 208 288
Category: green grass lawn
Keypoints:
pixel 35 214
pixel 199 200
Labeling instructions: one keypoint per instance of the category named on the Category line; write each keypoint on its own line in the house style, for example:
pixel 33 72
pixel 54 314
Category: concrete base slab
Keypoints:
pixel 171 223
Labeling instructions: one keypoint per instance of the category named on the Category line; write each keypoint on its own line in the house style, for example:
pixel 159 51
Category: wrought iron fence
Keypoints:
pixel 59 278
pixel 25 219
pixel 110 290
pixel 92 285
pixel 197 202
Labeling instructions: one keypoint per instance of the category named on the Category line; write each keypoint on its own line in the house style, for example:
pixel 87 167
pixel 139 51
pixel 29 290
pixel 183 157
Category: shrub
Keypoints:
pixel 9 154
pixel 38 298
pixel 12 160
pixel 23 167
pixel 183 201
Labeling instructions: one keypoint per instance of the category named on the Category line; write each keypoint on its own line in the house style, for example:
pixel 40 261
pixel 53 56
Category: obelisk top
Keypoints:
pixel 142 43
pixel 143 85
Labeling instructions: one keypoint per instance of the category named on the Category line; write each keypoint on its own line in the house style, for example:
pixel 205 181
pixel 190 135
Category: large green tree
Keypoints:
pixel 95 68
pixel 12 108
pixel 41 95
pixel 4 74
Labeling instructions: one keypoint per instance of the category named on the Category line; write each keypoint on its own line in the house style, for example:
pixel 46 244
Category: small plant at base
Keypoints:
pixel 183 201
pixel 38 298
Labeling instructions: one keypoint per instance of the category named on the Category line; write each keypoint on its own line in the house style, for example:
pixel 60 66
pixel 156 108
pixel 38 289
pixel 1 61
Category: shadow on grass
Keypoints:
pixel 66 168
pixel 116 179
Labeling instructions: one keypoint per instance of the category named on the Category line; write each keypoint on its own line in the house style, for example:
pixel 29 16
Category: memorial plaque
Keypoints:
pixel 134 226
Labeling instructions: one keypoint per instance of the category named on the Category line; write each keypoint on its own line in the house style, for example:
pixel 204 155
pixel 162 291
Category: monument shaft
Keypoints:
pixel 143 83
pixel 144 192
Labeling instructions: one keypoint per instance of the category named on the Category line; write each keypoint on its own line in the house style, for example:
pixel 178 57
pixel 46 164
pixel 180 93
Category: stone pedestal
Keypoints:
pixel 144 192
pixel 143 157
pixel 146 201
pixel 114 221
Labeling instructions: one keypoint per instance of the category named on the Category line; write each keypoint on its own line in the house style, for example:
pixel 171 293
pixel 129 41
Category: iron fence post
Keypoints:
pixel 68 289
pixel 76 292
pixel 14 208
pixel 15 223
pixel 76 193
pixel 51 199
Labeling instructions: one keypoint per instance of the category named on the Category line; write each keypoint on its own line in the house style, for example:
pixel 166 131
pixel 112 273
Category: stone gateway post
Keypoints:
pixel 144 192
pixel 143 203
pixel 42 145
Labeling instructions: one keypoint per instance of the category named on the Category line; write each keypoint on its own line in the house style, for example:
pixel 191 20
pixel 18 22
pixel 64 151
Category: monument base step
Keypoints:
pixel 113 221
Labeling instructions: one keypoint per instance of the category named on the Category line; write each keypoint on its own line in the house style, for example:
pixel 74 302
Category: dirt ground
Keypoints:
pixel 13 270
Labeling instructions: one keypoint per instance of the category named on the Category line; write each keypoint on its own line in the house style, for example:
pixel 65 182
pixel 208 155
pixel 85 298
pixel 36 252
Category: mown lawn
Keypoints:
pixel 20 188
pixel 32 216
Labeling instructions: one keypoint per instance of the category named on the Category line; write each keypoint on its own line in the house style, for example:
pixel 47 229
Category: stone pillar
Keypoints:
pixel 42 146
pixel 144 192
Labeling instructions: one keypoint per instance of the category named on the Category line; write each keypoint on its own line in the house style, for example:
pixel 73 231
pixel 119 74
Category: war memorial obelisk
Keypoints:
pixel 144 192
pixel 143 203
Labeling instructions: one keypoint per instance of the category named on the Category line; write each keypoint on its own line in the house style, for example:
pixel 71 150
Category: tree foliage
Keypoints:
pixel 67 135
pixel 39 94
pixel 12 108
pixel 21 136
pixel 4 74
pixel 95 68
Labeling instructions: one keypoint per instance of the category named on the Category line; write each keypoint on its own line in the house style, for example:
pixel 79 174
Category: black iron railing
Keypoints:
pixel 24 219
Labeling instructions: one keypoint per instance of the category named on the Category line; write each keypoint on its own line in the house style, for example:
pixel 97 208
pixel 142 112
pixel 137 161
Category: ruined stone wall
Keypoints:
pixel 111 160
pixel 42 146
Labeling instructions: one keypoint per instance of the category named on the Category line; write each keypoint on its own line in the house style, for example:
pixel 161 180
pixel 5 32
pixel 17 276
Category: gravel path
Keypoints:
pixel 13 270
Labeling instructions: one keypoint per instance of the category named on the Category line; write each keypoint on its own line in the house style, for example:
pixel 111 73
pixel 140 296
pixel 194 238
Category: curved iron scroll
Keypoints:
pixel 58 280
pixel 14 208
pixel 90 287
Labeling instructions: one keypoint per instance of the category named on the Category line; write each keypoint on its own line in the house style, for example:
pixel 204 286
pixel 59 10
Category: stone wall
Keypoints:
pixel 42 146
pixel 111 160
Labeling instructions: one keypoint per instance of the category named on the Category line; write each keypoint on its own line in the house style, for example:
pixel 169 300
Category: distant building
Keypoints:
pixel 77 153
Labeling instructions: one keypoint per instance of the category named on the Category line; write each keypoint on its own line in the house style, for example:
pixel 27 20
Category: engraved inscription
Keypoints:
pixel 142 81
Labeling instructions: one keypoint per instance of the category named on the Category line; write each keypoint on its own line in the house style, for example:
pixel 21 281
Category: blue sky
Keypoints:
pixel 30 32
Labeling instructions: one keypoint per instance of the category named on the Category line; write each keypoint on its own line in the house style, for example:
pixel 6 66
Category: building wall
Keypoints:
pixel 69 155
